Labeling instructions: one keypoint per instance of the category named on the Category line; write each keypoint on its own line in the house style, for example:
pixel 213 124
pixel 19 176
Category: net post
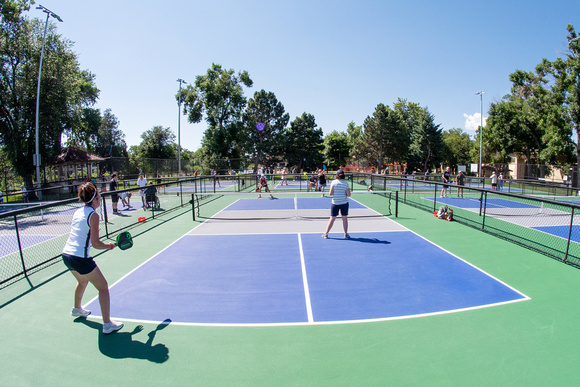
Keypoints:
pixel 193 205
pixel 104 207
pixel 295 205
pixel 396 204
pixel 24 271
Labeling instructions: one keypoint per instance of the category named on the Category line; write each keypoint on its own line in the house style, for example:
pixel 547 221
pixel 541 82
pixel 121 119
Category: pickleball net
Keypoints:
pixel 295 205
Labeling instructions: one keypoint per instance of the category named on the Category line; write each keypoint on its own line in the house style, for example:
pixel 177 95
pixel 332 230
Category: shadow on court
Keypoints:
pixel 363 240
pixel 121 345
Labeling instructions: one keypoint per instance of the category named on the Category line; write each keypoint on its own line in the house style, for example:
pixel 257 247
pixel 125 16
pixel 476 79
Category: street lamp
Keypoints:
pixel 36 158
pixel 480 93
pixel 179 129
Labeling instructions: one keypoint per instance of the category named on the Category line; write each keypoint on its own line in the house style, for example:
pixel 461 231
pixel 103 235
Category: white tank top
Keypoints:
pixel 79 239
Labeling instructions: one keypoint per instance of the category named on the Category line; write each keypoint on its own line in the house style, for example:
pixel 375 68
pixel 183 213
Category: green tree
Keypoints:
pixel 426 148
pixel 565 95
pixel 220 97
pixel 531 121
pixel 304 143
pixel 457 149
pixel 110 140
pixel 336 149
pixel 157 143
pixel 383 137
pixel 65 89
pixel 266 145
pixel 98 134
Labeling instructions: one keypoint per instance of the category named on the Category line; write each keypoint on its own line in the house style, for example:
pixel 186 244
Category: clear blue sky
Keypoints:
pixel 334 59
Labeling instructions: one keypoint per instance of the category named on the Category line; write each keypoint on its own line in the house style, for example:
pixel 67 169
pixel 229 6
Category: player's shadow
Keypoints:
pixel 121 345
pixel 368 240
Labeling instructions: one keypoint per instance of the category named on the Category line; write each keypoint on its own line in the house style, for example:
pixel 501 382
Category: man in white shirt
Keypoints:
pixel 142 183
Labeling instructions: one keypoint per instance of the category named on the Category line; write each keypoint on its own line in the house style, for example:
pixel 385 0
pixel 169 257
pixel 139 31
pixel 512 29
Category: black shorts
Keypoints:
pixel 335 208
pixel 115 198
pixel 81 265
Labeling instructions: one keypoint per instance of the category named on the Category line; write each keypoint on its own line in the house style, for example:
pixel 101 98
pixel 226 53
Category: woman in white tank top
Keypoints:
pixel 76 256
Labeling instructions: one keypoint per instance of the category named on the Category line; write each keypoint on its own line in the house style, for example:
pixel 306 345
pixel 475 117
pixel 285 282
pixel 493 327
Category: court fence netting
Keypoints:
pixel 32 235
pixel 542 218
pixel 288 205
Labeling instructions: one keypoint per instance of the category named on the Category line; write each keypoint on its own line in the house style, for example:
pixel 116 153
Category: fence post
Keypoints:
pixel 483 206
pixel 435 199
pixel 569 235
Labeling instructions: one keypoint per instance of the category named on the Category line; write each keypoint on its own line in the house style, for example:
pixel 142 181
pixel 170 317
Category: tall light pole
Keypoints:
pixel 480 93
pixel 179 129
pixel 36 158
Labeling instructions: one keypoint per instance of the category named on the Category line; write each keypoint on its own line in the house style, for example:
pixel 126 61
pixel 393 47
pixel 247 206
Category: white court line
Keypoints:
pixel 305 280
pixel 311 321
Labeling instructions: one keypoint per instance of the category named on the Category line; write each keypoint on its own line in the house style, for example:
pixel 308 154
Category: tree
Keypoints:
pixel 64 88
pixel 566 91
pixel 457 149
pixel 157 143
pixel 383 137
pixel 110 139
pixel 426 148
pixel 220 97
pixel 264 142
pixel 354 133
pixel 98 134
pixel 531 121
pixel 304 143
pixel 336 149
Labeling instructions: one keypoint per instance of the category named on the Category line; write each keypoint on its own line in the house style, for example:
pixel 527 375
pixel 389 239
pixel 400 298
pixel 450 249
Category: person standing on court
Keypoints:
pixel 322 181
pixel 24 193
pixel 142 182
pixel 113 185
pixel 460 183
pixel 446 178
pixel 340 192
pixel 493 181
pixel 284 180
pixel 76 256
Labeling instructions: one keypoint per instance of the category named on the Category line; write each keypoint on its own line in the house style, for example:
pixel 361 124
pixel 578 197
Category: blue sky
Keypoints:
pixel 334 59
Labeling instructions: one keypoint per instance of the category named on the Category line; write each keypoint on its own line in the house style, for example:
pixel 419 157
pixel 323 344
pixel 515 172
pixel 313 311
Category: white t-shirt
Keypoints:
pixel 142 183
pixel 339 194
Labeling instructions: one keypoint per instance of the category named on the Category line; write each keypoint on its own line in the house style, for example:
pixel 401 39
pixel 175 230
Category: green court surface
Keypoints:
pixel 529 343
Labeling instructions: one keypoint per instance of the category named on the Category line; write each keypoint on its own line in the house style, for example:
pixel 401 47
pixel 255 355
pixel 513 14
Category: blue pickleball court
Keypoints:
pixel 300 278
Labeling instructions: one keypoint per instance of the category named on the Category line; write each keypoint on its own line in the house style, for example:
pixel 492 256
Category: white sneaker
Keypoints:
pixel 79 312
pixel 111 327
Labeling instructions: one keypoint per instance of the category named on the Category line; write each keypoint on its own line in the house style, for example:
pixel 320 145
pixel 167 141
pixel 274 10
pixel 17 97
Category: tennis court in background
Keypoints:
pixel 235 270
pixel 535 215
